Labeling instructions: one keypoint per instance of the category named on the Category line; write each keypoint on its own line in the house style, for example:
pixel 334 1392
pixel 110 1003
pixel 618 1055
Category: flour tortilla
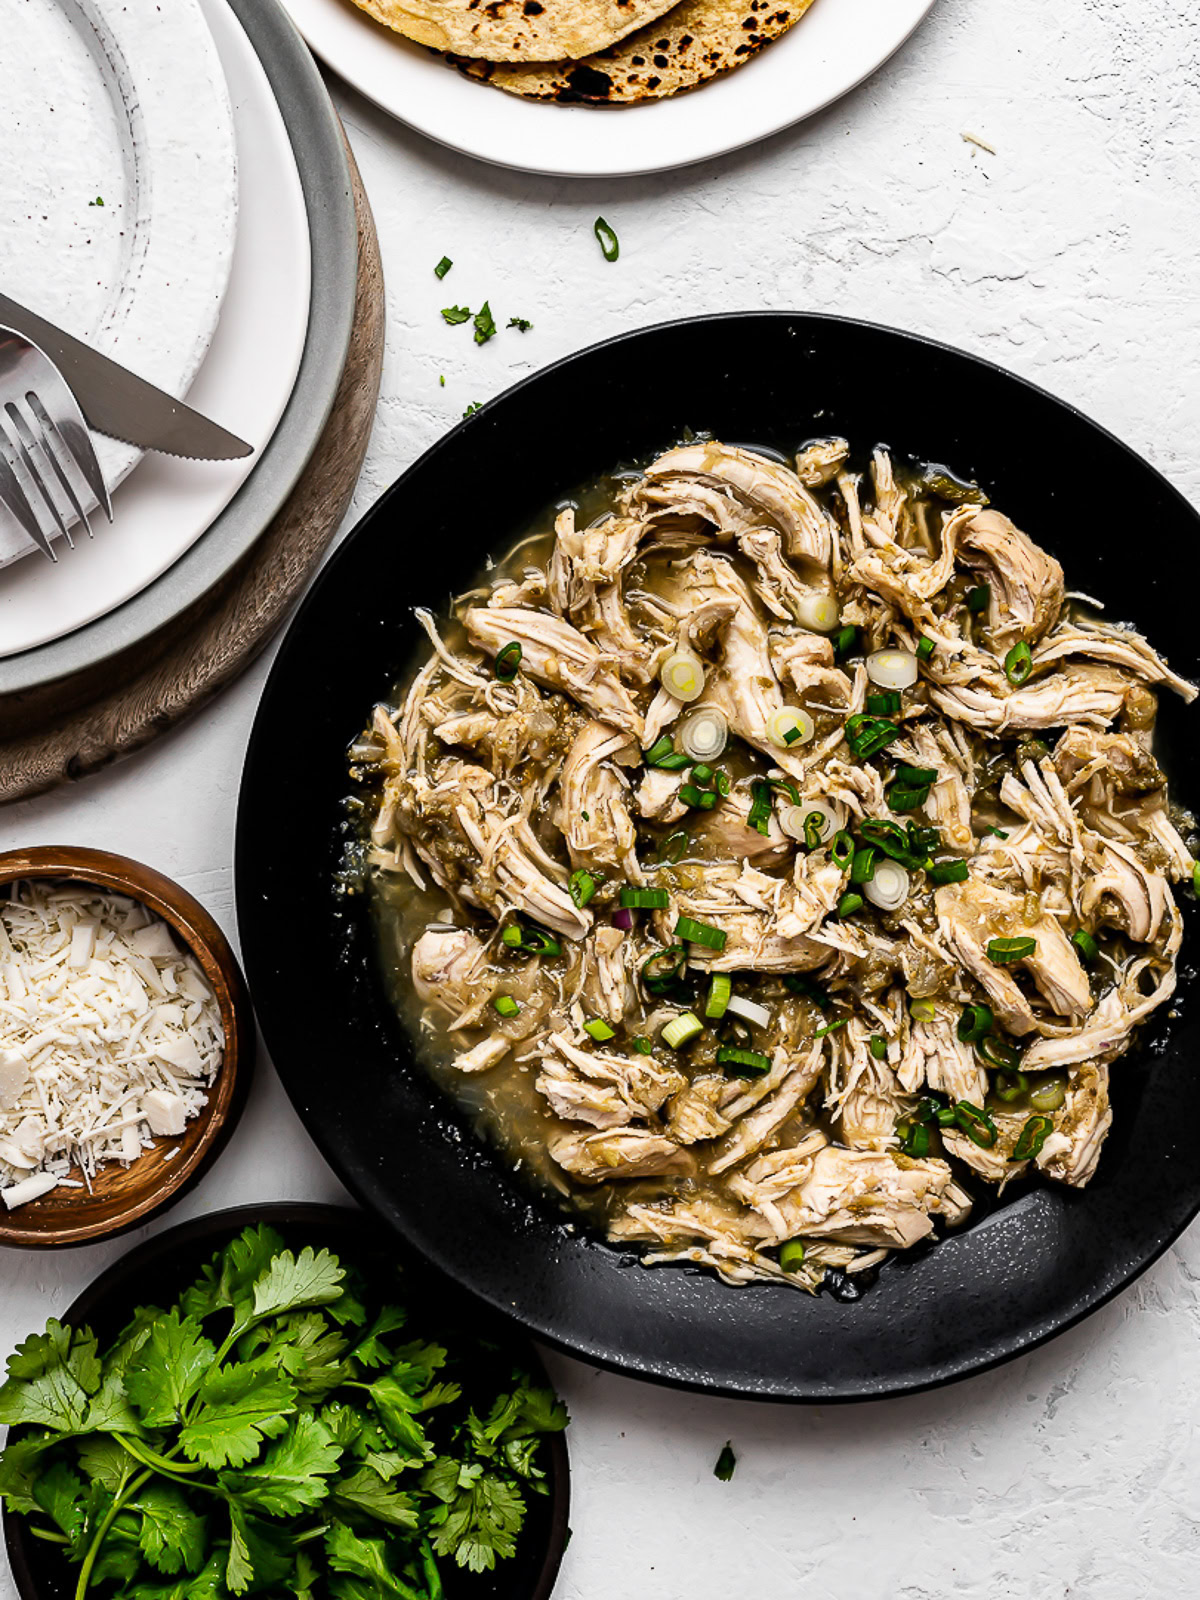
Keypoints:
pixel 696 41
pixel 515 30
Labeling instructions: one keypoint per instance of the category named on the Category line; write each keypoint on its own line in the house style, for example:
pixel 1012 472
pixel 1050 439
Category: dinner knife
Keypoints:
pixel 117 402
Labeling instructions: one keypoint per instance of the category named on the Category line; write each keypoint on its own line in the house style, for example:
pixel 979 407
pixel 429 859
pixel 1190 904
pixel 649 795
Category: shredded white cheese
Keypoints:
pixel 109 1035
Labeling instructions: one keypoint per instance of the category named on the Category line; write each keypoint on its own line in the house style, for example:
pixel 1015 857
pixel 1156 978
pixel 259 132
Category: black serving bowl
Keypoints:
pixel 1027 1269
pixel 163 1266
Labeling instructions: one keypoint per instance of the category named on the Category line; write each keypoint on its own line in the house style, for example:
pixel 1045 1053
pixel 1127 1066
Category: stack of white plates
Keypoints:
pixel 151 202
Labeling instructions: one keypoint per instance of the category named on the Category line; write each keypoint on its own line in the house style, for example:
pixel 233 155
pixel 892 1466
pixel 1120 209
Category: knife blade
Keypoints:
pixel 117 402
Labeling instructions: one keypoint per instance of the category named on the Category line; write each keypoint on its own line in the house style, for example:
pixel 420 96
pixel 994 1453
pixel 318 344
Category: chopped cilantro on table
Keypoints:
pixel 523 324
pixel 275 1430
pixel 456 314
pixel 443 267
pixel 485 326
pixel 476 405
pixel 726 1463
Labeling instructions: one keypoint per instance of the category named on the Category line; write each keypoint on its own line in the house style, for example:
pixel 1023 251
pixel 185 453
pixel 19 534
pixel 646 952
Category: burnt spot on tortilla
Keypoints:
pixel 532 9
pixel 685 41
pixel 750 24
pixel 661 63
pixel 585 83
pixel 639 61
pixel 653 83
pixel 663 44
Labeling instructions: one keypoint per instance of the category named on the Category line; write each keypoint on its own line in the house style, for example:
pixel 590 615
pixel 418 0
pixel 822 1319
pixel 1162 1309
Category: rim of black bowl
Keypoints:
pixel 983 1297
pixel 24 1551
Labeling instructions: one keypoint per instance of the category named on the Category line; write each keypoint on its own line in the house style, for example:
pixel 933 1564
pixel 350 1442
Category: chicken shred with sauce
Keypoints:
pixel 782 858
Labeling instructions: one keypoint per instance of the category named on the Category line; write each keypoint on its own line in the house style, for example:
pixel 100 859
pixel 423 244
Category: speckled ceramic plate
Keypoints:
pixel 118 187
pixel 1020 1273
pixel 832 49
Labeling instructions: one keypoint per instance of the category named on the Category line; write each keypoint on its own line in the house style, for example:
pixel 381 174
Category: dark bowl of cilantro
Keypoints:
pixel 275 1401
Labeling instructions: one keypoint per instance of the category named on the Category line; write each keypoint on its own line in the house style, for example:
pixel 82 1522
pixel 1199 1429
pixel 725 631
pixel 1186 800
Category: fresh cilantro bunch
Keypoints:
pixel 269 1434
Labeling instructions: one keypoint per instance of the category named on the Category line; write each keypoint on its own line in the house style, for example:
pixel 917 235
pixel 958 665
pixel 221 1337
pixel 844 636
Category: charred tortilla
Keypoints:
pixel 515 30
pixel 696 41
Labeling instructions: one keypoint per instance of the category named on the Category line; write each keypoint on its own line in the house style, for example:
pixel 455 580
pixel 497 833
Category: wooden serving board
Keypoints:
pixel 76 727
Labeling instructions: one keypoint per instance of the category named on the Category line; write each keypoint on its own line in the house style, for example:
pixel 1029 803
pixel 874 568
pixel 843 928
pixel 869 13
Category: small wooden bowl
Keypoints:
pixel 122 1197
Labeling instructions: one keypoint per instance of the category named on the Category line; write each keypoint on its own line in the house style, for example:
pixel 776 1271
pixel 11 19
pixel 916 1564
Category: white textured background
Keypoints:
pixel 1069 255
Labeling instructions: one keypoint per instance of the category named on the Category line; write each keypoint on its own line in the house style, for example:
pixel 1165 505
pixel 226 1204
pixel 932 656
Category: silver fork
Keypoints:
pixel 43 441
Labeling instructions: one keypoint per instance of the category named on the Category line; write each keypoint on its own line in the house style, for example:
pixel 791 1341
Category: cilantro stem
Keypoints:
pixel 118 1505
pixel 162 1464
pixel 433 1577
pixel 49 1535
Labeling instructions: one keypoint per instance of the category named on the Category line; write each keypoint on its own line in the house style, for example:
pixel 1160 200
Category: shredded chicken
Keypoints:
pixel 681 1001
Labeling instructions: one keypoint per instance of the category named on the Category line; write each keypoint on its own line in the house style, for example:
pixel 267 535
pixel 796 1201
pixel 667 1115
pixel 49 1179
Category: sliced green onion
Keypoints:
pixel 926 1110
pixel 642 1045
pixel 599 1030
pixel 610 245
pixel 974 1023
pixel 849 904
pixel 701 773
pixel 976 1124
pixel 1196 878
pixel 704 799
pixel 583 887
pixel 751 1063
pixel 921 776
pixel 922 1010
pixel 979 598
pixel 512 936
pixel 862 868
pixel 830 1027
pixel 1005 951
pixel 844 642
pixel 673 847
pixel 1085 944
pixel 662 970
pixel 903 797
pixel 1033 1136
pixel 814 827
pixel 700 933
pixel 750 1011
pixel 841 849
pixel 924 647
pixel 949 872
pixel 1010 1086
pixel 791 1254
pixel 787 787
pixel 884 705
pixel 505 1005
pixel 719 992
pixel 798 984
pixel 999 832
pixel 1018 663
pixel 443 267
pixel 914 1139
pixel 867 736
pixel 661 747
pixel 682 674
pixel 879 1047
pixel 1049 1092
pixel 945 1117
pixel 681 1030
pixel 909 849
pixel 721 782
pixel 645 899
pixel 760 807
pixel 535 941
pixel 508 660
pixel 997 1052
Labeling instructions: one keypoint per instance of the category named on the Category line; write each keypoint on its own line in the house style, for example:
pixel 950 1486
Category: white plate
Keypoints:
pixel 245 382
pixel 118 187
pixel 830 50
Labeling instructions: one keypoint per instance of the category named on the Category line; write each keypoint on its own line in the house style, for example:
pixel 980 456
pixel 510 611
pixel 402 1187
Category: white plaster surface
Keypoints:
pixel 1069 255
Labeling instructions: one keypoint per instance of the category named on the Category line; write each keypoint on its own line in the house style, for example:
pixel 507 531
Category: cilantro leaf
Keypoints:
pixel 307 1349
pixel 241 1406
pixel 475 405
pixel 168 1368
pixel 259 1554
pixel 396 1407
pixel 456 314
pixel 232 1272
pixel 313 1278
pixel 19 1467
pixel 172 1535
pixel 290 1477
pixel 51 1376
pixel 372 1352
pixel 726 1463
pixel 443 267
pixel 485 326
pixel 207 1584
pixel 366 1491
pixel 60 1494
pixel 481 1523
pixel 521 323
pixel 120 1555
pixel 304 1577
pixel 363 1558
pixel 104 1462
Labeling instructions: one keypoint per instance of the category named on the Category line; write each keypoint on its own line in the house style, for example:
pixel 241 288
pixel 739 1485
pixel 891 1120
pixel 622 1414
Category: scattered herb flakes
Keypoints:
pixel 443 267
pixel 610 245
pixel 267 1433
pixel 726 1463
pixel 522 323
pixel 98 201
pixel 476 405
pixel 456 314
pixel 442 381
pixel 485 326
